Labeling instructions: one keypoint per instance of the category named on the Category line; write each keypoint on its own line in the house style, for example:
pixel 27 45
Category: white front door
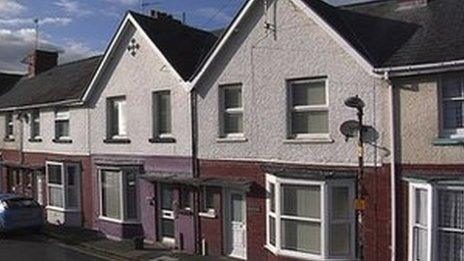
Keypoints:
pixel 237 242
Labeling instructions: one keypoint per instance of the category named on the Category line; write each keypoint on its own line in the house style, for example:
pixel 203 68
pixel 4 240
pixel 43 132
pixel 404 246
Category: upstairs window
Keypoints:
pixel 452 89
pixel 9 126
pixel 62 117
pixel 162 114
pixel 308 109
pixel 231 111
pixel 117 118
pixel 35 124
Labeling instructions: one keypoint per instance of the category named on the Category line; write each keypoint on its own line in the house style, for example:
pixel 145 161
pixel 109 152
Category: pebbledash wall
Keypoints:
pixel 262 61
pixel 136 77
pixel 37 152
pixel 419 126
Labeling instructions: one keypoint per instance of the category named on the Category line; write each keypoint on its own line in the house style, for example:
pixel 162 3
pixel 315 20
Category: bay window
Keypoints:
pixel 308 115
pixel 63 183
pixel 310 219
pixel 231 111
pixel 452 94
pixel 118 199
pixel 436 223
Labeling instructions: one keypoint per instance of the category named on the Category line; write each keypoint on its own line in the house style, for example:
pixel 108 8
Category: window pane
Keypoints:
pixel 117 114
pixel 233 97
pixel 131 199
pixel 111 194
pixel 208 198
pixel 308 93
pixel 185 198
pixel 54 174
pixel 72 188
pixel 122 120
pixel 166 197
pixel 301 201
pixel 420 244
pixel 451 209
pixel 163 107
pixel 233 123
pixel 301 236
pixel 310 122
pixel 272 230
pixel 453 114
pixel 421 207
pixel 35 124
pixel 340 203
pixel 62 129
pixel 56 197
pixel 340 239
pixel 272 196
pixel 167 227
pixel 450 246
pixel 451 87
pixel 237 207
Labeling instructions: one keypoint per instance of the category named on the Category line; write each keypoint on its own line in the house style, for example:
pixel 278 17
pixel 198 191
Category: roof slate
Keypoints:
pixel 388 36
pixel 183 46
pixel 61 83
pixel 7 81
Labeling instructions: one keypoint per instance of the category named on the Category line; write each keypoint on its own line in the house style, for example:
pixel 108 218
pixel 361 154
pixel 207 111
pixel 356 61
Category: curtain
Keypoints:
pixel 111 191
pixel 301 236
pixel 451 217
pixel 301 201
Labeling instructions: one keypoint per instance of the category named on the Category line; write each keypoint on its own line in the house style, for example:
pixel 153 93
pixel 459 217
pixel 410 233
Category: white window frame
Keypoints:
pixel 432 216
pixel 230 111
pixel 306 108
pixel 325 219
pixel 156 114
pixel 453 133
pixel 9 123
pixel 65 116
pixel 122 117
pixel 64 186
pixel 35 121
pixel 206 212
pixel 122 197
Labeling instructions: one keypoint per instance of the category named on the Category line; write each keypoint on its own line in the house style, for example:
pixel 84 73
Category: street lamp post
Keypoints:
pixel 360 203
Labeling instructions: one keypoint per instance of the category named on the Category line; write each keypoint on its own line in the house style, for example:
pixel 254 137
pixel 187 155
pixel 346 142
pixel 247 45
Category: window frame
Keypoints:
pixel 58 119
pixel 110 114
pixel 230 111
pixel 452 133
pixel 156 115
pixel 325 219
pixel 64 186
pixel 122 173
pixel 35 125
pixel 9 125
pixel 306 108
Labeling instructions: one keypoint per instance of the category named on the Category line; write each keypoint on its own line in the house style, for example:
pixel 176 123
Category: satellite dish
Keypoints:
pixel 355 102
pixel 370 135
pixel 350 129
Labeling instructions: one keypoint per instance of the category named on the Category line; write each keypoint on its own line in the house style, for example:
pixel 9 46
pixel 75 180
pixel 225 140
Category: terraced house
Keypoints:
pixel 231 145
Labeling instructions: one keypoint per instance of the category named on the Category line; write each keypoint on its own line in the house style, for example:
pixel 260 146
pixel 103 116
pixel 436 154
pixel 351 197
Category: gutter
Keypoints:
pixel 419 68
pixel 44 105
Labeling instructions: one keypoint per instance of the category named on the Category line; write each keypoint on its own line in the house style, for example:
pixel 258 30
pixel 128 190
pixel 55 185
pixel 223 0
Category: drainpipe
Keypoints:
pixel 21 118
pixel 195 170
pixel 392 166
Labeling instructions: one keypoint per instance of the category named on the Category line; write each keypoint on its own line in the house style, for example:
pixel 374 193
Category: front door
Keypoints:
pixel 167 214
pixel 237 235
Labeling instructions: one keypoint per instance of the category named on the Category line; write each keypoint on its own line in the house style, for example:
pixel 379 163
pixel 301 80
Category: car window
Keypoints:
pixel 21 203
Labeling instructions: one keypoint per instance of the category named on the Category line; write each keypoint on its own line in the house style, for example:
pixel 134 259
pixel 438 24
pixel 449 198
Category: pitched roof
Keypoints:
pixel 62 83
pixel 183 46
pixel 8 80
pixel 388 36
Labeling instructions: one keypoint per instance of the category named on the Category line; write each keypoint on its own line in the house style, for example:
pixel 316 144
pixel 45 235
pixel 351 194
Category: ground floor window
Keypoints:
pixel 436 222
pixel 118 199
pixel 310 219
pixel 63 185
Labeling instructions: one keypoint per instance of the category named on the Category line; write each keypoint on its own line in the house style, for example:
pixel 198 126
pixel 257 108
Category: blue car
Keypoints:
pixel 18 212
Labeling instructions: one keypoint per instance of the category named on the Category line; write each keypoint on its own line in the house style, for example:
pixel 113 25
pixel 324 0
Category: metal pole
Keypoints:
pixel 360 187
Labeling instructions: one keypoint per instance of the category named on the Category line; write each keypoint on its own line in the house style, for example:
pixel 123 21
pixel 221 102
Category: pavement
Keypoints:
pixel 95 244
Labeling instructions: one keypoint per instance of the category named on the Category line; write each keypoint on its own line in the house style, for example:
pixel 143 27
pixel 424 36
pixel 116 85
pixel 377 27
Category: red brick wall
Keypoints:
pixel 211 228
pixel 377 215
pixel 86 179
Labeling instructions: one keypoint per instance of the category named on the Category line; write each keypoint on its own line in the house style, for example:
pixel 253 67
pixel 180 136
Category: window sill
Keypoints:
pixel 231 140
pixel 62 141
pixel 117 141
pixel 8 139
pixel 35 140
pixel 64 210
pixel 448 142
pixel 207 214
pixel 308 140
pixel 301 255
pixel 162 140
pixel 112 220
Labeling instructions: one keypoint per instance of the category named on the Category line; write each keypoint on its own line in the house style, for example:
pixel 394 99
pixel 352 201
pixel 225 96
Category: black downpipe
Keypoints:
pixel 195 170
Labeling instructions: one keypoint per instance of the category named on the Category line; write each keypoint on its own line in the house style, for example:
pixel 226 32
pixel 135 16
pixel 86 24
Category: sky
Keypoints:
pixel 83 28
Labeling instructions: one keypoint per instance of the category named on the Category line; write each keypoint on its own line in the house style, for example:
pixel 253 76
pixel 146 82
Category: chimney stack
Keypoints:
pixel 163 16
pixel 412 3
pixel 40 61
